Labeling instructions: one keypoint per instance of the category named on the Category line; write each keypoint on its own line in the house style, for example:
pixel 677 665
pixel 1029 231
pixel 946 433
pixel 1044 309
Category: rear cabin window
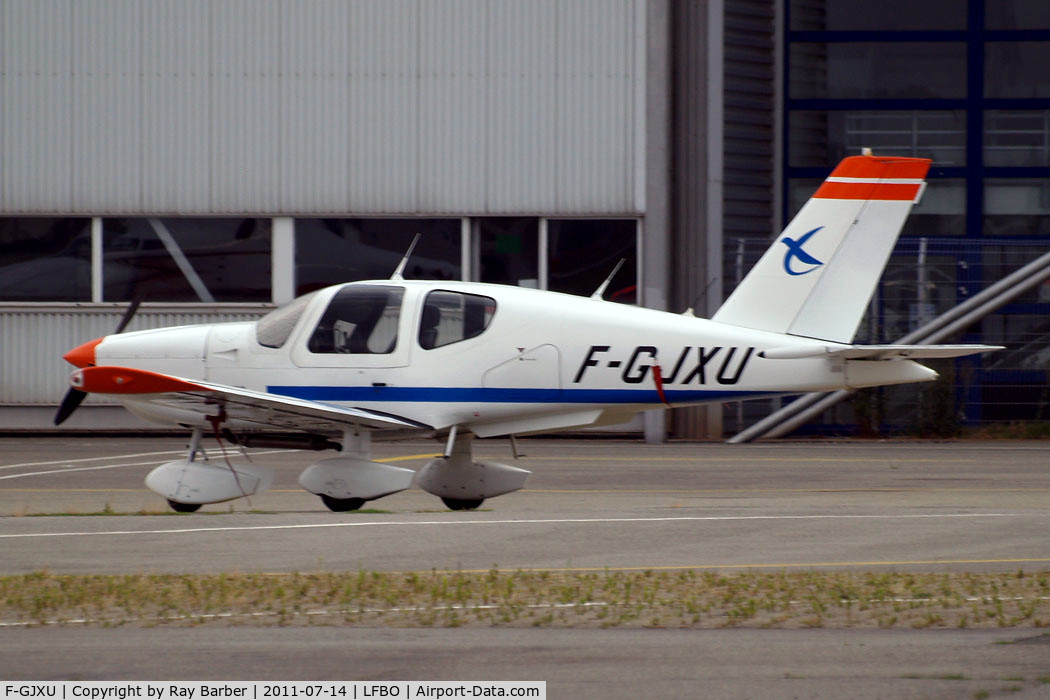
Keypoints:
pixel 449 317
pixel 360 319
pixel 273 329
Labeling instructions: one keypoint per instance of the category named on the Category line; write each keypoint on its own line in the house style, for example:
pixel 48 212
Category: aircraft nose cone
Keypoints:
pixel 82 355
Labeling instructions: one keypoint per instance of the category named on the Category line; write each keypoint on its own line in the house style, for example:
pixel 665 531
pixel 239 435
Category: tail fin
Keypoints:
pixel 817 278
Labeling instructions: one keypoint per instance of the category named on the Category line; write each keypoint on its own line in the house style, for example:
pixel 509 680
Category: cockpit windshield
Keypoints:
pixel 273 329
pixel 360 319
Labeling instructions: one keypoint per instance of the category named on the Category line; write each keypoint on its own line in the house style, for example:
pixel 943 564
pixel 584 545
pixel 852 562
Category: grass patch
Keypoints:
pixel 664 599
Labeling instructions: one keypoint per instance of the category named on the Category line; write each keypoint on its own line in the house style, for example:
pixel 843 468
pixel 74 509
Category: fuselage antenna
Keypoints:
pixel 600 291
pixel 397 277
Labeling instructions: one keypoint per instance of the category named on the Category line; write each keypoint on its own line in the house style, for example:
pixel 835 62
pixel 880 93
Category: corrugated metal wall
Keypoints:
pixel 327 106
pixel 32 371
pixel 749 115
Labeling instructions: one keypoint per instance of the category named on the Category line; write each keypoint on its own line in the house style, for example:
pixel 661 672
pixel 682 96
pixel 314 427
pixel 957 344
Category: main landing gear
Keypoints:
pixel 463 503
pixel 347 482
pixel 344 483
pixel 342 505
pixel 463 484
pixel 184 507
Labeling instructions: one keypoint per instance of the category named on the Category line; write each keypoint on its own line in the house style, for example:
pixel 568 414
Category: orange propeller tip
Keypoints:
pixel 83 355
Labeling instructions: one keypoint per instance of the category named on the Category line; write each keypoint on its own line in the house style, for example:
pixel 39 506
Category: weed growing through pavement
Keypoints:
pixel 666 599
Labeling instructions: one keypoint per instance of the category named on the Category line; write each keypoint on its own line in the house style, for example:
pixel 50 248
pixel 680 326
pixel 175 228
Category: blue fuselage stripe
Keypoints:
pixel 496 395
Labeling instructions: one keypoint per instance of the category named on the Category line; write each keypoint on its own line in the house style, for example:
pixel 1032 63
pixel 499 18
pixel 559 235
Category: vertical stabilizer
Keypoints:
pixel 816 279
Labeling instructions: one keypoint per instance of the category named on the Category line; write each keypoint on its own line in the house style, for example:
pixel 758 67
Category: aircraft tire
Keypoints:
pixel 184 507
pixel 462 503
pixel 342 505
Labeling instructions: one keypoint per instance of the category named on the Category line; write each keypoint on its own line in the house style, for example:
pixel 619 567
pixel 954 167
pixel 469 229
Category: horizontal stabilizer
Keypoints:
pixel 877 352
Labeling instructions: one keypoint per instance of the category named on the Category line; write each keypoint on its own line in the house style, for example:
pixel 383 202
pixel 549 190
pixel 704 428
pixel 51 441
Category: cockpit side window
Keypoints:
pixel 273 329
pixel 360 319
pixel 449 317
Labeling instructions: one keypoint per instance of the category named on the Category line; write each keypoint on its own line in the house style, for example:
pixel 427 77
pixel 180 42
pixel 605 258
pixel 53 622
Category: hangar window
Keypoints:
pixel 1017 137
pixel 45 259
pixel 360 319
pixel 1016 69
pixel 886 15
pixel 187 259
pixel 331 251
pixel 508 250
pixel 1016 14
pixel 449 317
pixel 1016 207
pixel 820 138
pixel 877 70
pixel 583 252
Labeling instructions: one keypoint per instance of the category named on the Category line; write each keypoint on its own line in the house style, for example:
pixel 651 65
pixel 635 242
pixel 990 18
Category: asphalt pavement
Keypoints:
pixel 77 505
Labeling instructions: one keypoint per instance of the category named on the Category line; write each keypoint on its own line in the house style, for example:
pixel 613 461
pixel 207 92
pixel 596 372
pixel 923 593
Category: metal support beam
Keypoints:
pixel 282 260
pixel 466 252
pixel 543 273
pixel 181 261
pixel 97 259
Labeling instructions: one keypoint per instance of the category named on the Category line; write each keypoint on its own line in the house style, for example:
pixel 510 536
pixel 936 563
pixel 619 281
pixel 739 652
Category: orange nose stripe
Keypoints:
pixel 82 355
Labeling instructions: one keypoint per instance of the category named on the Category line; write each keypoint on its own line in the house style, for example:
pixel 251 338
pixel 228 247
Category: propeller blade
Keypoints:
pixel 69 404
pixel 128 315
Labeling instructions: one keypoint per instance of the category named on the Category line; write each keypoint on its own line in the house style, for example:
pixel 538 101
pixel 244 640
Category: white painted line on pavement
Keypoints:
pixel 90 459
pixel 118 466
pixel 527 521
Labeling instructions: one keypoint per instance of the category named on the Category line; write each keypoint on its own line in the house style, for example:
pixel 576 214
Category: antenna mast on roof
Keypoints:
pixel 397 277
pixel 605 285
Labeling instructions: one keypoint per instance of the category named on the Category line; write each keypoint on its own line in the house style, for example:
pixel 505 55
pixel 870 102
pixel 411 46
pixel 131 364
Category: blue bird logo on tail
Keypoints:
pixel 795 251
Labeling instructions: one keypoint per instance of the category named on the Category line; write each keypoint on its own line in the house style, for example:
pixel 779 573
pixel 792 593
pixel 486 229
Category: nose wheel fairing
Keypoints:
pixel 188 482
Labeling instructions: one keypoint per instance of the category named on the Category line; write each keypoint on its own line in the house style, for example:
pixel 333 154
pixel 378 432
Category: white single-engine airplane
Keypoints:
pixel 455 360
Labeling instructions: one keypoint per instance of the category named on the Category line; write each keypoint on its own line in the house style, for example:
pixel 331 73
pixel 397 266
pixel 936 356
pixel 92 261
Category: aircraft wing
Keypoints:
pixel 879 352
pixel 209 399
